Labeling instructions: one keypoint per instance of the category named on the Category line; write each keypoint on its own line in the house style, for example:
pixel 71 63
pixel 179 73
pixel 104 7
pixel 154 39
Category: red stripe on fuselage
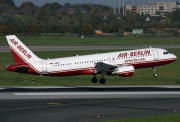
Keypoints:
pixel 136 65
pixel 153 63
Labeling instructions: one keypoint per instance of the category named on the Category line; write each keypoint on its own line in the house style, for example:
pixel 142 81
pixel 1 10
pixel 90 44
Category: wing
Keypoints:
pixel 107 69
pixel 103 67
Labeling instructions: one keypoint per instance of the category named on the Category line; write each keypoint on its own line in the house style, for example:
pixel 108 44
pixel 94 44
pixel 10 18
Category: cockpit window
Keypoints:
pixel 165 52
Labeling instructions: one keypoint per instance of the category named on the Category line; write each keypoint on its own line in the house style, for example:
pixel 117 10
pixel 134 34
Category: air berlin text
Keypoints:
pixel 20 48
pixel 135 53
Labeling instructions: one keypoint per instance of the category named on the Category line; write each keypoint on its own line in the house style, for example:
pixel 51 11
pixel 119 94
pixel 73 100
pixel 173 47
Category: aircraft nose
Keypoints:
pixel 174 57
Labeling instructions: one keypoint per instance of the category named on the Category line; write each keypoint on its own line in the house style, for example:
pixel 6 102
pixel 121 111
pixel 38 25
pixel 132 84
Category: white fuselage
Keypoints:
pixel 140 58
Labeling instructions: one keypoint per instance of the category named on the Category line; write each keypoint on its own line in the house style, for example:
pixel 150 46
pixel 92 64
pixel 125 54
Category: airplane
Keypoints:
pixel 121 63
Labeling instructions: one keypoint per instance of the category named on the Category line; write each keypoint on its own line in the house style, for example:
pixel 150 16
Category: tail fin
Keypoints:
pixel 19 51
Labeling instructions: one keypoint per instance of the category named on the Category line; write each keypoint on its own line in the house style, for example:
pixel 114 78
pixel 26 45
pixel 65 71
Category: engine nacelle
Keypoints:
pixel 124 71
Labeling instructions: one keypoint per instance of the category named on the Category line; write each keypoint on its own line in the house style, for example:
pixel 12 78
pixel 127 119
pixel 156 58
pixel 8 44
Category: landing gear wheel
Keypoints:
pixel 94 80
pixel 154 70
pixel 102 81
pixel 155 74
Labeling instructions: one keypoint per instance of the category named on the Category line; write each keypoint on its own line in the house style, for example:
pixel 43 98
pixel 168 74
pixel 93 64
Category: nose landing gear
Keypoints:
pixel 154 70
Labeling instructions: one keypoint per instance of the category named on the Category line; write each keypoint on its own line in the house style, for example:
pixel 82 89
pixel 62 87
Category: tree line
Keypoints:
pixel 31 19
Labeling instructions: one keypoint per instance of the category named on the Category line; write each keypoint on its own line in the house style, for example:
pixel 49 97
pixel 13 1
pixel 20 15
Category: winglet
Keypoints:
pixel 19 51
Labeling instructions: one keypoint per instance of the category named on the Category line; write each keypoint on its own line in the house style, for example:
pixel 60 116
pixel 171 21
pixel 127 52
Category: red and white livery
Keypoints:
pixel 121 63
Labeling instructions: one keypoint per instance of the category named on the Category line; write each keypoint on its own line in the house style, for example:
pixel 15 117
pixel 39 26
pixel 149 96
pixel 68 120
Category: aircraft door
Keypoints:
pixel 155 54
pixel 111 59
pixel 44 66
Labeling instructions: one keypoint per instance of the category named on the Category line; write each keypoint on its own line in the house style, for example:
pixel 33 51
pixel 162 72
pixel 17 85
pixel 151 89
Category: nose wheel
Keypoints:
pixel 154 70
pixel 155 74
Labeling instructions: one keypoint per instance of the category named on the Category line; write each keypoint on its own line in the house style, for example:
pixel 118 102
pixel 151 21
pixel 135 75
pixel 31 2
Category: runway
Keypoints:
pixel 91 47
pixel 87 103
pixel 83 92
pixel 84 110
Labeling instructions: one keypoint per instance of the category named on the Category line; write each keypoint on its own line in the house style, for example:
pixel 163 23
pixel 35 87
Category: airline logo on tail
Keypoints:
pixel 20 48
pixel 20 52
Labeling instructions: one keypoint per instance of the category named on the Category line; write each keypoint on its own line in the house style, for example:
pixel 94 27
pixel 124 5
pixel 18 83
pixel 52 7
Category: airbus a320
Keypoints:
pixel 121 63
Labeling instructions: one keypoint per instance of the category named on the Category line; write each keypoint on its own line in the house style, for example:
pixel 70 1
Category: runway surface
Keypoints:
pixel 90 92
pixel 84 110
pixel 87 103
pixel 92 47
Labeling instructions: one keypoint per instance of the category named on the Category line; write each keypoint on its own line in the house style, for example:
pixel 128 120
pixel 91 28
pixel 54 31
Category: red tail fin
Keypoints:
pixel 17 59
pixel 20 52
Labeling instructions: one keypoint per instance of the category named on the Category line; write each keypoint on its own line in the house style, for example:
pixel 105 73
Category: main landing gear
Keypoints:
pixel 154 70
pixel 102 81
pixel 95 80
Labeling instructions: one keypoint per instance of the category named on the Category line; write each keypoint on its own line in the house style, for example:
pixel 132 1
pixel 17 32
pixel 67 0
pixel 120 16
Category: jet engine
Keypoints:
pixel 124 71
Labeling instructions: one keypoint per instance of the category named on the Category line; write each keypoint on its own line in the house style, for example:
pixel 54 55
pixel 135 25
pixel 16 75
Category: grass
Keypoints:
pixel 168 74
pixel 168 118
pixel 94 41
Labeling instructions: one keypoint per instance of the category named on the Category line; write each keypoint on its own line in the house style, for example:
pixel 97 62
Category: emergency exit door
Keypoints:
pixel 44 66
pixel 155 54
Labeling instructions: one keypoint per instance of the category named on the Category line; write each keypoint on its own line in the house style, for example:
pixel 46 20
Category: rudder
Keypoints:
pixel 19 51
